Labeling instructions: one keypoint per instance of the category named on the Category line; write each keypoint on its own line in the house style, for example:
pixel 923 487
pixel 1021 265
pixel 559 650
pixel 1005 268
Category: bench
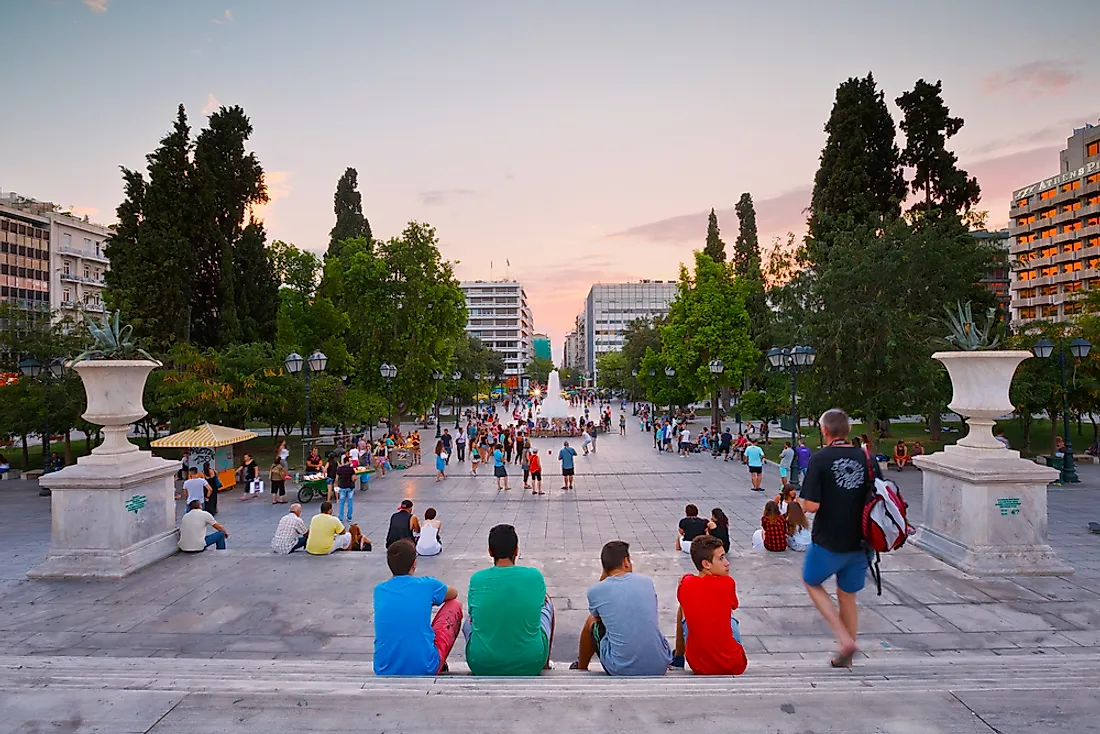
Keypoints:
pixel 33 473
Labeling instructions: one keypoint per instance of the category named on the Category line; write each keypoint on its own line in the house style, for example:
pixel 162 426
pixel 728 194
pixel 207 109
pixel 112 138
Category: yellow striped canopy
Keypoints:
pixel 202 436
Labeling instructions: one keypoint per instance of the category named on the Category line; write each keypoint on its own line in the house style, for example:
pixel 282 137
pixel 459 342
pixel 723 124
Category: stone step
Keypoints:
pixel 899 673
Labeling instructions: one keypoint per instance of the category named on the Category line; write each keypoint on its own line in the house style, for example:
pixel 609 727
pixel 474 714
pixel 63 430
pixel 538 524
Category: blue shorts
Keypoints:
pixel 850 569
pixel 784 472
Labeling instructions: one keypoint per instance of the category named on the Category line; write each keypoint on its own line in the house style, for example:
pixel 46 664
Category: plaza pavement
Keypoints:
pixel 243 640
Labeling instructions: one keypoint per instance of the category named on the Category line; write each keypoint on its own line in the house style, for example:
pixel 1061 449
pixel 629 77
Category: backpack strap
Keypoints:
pixel 873 566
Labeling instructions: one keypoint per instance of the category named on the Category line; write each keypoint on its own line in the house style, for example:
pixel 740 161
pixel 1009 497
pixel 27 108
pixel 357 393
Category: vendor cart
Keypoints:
pixel 208 444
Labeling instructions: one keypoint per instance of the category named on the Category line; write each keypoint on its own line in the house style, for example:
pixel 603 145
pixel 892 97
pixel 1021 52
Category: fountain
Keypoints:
pixel 554 405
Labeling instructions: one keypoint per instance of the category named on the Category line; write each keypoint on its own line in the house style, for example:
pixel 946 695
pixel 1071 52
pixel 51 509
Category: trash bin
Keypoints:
pixel 1055 462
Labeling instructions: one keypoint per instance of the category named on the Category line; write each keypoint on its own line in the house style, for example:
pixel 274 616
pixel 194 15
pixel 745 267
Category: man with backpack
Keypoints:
pixel 838 482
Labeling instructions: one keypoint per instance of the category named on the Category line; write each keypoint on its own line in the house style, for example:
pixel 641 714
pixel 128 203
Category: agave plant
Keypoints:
pixel 110 341
pixel 965 332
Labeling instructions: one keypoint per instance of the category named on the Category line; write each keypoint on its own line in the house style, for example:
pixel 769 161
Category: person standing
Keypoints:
pixel 214 483
pixel 803 454
pixel 622 424
pixel 500 471
pixel 836 486
pixel 440 461
pixel 724 444
pixel 447 442
pixel 786 460
pixel 535 464
pixel 249 473
pixel 566 456
pixel 196 487
pixel 754 455
pixel 345 488
pixel 460 446
pixel 278 481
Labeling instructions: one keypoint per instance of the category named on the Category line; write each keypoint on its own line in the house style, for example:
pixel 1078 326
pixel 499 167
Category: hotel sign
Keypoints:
pixel 1046 183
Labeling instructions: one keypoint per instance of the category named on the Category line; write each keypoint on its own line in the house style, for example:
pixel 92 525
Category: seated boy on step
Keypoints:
pixel 707 633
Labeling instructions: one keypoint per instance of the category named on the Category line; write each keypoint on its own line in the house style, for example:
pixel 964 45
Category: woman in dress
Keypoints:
pixel 440 462
pixel 211 477
pixel 429 543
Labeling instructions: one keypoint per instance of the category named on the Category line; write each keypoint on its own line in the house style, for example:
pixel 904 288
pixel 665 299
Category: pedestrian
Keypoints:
pixel 345 488
pixel 754 455
pixel 278 475
pixel 786 460
pixel 475 460
pixel 460 446
pixel 566 456
pixel 500 471
pixel 535 464
pixel 836 486
pixel 440 461
pixel 803 454
pixel 214 484
pixel 249 473
pixel 447 440
pixel 526 465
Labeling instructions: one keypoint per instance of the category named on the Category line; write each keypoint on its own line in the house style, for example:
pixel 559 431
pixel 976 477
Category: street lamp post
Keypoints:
pixel 716 369
pixel 670 373
pixel 735 403
pixel 438 377
pixel 1079 348
pixel 33 369
pixel 456 376
pixel 791 360
pixel 634 392
pixel 388 372
pixel 294 364
pixel 477 392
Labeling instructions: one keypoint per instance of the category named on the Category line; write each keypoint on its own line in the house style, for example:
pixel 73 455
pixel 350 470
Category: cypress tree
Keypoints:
pixel 746 248
pixel 715 247
pixel 928 125
pixel 256 291
pixel 348 206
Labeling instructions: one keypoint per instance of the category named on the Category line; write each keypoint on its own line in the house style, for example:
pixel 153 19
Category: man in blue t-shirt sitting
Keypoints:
pixel 622 625
pixel 407 641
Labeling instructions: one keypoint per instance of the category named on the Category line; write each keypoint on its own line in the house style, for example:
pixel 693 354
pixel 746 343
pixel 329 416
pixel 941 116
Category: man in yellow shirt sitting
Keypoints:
pixel 326 533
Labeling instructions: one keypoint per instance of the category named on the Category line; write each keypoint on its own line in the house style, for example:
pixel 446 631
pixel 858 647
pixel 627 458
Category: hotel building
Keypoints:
pixel 611 307
pixel 499 314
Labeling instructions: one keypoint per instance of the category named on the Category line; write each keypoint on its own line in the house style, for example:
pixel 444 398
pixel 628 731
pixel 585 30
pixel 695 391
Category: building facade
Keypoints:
pixel 541 345
pixel 998 278
pixel 499 314
pixel 1055 230
pixel 24 258
pixel 573 348
pixel 78 265
pixel 610 309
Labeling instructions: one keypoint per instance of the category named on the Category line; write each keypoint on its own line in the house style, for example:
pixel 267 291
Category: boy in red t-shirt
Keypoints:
pixel 707 601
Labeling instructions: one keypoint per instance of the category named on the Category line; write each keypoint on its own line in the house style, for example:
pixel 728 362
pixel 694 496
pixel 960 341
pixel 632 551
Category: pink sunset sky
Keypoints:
pixel 579 141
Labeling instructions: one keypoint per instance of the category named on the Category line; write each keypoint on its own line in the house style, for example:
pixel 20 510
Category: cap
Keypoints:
pixel 407 504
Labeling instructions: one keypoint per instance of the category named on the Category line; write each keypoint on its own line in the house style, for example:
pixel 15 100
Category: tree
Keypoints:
pixel 257 286
pixel 715 247
pixel 228 182
pixel 660 389
pixel 707 320
pixel 539 370
pixel 348 205
pixel 746 249
pixel 152 263
pixel 928 125
pixel 859 176
pixel 296 269
pixel 612 372
pixel 642 334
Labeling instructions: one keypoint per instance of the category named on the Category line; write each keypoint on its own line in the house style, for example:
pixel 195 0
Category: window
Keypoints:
pixel 87 272
pixel 1048 272
pixel 1093 149
pixel 1048 194
pixel 1049 312
pixel 1072 287
pixel 66 296
pixel 1028 292
pixel 1071 307
pixel 1072 267
pixel 1092 221
pixel 1072 186
pixel 1072 226
pixel 1072 207
pixel 1047 213
pixel 1048 233
pixel 97 246
pixel 67 240
pixel 1048 251
pixel 1022 202
pixel 65 268
pixel 1023 221
pixel 1094 178
pixel 1094 262
pixel 1028 312
pixel 1072 246
pixel 1048 290
pixel 1093 201
pixel 1027 238
pixel 1092 242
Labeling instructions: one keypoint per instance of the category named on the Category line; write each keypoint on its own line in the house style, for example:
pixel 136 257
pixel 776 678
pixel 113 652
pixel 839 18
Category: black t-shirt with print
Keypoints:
pixel 693 527
pixel 837 479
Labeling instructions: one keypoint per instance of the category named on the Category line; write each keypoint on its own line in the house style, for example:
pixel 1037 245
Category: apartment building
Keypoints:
pixel 573 348
pixel 499 314
pixel 541 345
pixel 610 309
pixel 24 258
pixel 998 277
pixel 1055 230
pixel 78 265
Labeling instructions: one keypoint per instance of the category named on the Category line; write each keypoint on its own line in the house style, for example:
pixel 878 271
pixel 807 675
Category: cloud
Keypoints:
pixel 775 216
pixel 278 187
pixel 227 17
pixel 211 105
pixel 1043 78
pixel 97 6
pixel 442 197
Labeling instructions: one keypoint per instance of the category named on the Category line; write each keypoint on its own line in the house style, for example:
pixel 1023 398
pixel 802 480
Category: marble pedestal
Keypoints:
pixel 111 515
pixel 985 512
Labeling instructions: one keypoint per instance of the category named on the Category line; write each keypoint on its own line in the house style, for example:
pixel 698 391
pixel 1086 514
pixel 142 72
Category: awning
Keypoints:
pixel 203 436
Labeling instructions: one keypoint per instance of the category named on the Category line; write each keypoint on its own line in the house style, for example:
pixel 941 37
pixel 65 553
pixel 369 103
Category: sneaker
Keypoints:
pixel 677 662
pixel 575 665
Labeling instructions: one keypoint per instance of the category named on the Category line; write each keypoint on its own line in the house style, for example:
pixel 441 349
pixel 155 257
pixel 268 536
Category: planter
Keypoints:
pixel 981 381
pixel 114 389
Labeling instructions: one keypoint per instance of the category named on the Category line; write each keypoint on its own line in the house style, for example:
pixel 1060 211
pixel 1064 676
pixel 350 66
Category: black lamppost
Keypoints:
pixel 438 377
pixel 1079 348
pixel 315 363
pixel 791 360
pixel 477 392
pixel 388 372
pixel 716 369
pixel 33 369
pixel 634 392
pixel 456 376
pixel 735 403
pixel 670 373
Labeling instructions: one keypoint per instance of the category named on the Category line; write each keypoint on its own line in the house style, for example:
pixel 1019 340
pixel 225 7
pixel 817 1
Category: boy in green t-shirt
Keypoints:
pixel 511 622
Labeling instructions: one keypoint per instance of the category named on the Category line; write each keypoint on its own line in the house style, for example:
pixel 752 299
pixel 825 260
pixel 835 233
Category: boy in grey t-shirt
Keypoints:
pixel 622 623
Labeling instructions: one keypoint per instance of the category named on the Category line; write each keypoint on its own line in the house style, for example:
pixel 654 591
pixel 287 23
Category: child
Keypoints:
pixel 475 461
pixel 707 602
pixel 772 534
pixel 798 528
pixel 785 497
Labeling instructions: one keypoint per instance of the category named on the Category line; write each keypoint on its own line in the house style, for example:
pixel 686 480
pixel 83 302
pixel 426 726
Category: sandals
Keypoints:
pixel 843 660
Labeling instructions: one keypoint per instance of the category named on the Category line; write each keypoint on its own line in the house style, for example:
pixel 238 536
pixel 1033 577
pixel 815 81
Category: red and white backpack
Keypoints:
pixel 885 526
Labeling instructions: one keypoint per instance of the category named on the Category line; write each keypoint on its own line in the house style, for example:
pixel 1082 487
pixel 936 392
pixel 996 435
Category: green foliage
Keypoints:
pixel 348 206
pixel 111 341
pixel 661 389
pixel 612 371
pixel 715 247
pixel 708 320
pixel 746 249
pixel 928 126
pixel 539 370
pixel 966 334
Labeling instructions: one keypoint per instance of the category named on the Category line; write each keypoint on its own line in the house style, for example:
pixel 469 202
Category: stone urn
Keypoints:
pixel 981 381
pixel 985 508
pixel 114 389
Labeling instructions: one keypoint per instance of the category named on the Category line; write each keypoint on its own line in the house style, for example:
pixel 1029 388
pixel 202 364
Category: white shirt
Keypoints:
pixel 193 530
pixel 291 527
pixel 354 454
pixel 685 436
pixel 428 543
pixel 196 489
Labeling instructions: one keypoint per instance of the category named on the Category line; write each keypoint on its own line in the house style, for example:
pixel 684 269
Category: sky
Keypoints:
pixel 557 143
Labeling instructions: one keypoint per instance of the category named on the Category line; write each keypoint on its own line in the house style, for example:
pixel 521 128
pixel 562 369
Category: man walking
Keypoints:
pixel 446 438
pixel 754 455
pixel 724 444
pixel 835 489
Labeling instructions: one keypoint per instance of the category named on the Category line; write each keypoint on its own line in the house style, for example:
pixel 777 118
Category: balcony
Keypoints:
pixel 78 252
pixel 70 277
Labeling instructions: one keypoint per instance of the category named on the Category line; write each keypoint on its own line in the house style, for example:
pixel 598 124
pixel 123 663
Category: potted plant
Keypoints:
pixel 980 373
pixel 114 371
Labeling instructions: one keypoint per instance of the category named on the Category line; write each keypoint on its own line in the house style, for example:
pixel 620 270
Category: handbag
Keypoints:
pixel 257 487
